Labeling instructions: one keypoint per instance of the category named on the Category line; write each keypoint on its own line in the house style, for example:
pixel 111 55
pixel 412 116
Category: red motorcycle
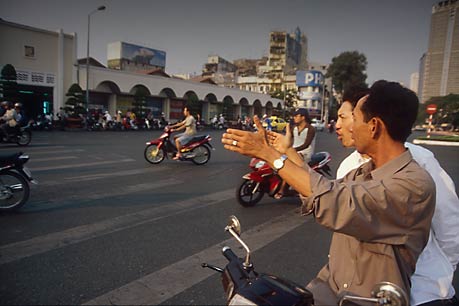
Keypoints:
pixel 263 179
pixel 196 150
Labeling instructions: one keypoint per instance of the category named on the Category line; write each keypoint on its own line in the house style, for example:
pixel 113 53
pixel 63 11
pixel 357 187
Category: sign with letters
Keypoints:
pixel 312 78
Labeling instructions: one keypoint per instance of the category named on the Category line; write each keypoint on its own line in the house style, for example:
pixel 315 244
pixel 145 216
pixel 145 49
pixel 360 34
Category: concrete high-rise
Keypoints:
pixel 439 66
pixel 287 53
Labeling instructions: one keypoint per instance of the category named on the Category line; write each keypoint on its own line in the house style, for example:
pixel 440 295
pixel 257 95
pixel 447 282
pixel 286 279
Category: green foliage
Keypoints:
pixel 347 70
pixel 75 104
pixel 193 105
pixel 8 85
pixel 140 102
pixel 447 110
pixel 289 96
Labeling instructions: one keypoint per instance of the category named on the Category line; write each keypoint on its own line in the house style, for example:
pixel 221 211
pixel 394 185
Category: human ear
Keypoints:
pixel 375 126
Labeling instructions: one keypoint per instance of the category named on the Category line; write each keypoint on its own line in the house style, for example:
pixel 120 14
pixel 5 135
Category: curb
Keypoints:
pixel 437 142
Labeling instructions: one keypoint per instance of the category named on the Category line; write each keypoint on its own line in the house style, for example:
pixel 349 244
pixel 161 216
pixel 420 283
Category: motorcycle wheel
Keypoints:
pixel 153 155
pixel 24 138
pixel 202 155
pixel 14 191
pixel 245 195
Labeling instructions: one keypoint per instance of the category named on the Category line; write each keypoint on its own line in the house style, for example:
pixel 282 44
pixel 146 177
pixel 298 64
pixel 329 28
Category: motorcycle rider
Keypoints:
pixel 387 204
pixel 22 119
pixel 431 283
pixel 10 119
pixel 189 125
pixel 303 137
pixel 107 120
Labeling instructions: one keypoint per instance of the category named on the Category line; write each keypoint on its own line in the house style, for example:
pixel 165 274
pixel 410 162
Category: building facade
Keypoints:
pixel 45 63
pixel 439 74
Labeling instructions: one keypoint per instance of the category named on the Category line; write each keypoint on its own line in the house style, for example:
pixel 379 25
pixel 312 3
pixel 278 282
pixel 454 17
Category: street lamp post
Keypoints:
pixel 100 8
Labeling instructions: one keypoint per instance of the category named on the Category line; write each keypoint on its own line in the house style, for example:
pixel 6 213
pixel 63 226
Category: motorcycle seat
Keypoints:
pixel 196 138
pixel 6 159
pixel 316 158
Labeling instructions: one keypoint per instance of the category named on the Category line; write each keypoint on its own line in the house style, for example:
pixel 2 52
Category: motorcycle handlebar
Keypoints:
pixel 229 254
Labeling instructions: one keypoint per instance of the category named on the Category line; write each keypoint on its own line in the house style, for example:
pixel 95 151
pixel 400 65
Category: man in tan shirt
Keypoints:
pixel 380 213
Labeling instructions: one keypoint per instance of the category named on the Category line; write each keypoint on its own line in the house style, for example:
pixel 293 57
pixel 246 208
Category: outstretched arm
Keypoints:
pixel 256 145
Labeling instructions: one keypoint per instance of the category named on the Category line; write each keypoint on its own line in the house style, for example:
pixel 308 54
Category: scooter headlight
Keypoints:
pixel 260 164
pixel 240 300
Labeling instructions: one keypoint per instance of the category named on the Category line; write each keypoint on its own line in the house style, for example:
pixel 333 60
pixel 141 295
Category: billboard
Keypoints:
pixel 309 78
pixel 137 54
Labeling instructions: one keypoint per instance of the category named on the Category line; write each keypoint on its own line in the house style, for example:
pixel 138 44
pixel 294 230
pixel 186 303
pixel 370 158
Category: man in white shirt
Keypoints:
pixel 189 125
pixel 431 283
pixel 302 135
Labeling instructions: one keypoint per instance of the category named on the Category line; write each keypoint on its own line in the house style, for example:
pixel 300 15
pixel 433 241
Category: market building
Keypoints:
pixel 46 65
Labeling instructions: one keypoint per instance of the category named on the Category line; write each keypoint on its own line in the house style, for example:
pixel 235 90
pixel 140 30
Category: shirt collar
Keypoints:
pixel 391 167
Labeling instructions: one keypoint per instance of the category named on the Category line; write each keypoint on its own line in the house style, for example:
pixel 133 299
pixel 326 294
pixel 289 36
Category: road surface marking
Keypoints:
pixel 53 158
pixel 32 153
pixel 159 286
pixel 82 165
pixel 41 244
pixel 101 175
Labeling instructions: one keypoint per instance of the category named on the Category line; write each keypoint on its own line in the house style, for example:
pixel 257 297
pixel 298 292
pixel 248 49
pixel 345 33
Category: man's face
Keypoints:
pixel 344 125
pixel 360 129
pixel 298 118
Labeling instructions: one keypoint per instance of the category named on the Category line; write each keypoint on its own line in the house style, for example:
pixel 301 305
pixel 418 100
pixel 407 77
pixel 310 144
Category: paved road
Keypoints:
pixel 103 226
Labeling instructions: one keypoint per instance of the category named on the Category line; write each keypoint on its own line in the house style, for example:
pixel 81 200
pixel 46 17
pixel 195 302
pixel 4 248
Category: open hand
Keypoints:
pixel 280 142
pixel 253 144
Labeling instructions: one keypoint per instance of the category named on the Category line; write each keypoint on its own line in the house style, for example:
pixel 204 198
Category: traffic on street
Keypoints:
pixel 104 226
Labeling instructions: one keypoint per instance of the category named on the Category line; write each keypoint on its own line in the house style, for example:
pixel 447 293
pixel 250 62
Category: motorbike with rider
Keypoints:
pixel 13 125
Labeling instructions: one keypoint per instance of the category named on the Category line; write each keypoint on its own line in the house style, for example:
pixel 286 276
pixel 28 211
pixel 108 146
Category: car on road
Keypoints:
pixel 277 124
pixel 317 124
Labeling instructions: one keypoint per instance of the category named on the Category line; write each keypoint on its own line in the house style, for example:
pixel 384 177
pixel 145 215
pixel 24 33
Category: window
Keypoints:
pixel 29 51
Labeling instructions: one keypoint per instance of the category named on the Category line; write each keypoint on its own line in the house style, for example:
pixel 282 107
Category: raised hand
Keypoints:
pixel 280 142
pixel 253 144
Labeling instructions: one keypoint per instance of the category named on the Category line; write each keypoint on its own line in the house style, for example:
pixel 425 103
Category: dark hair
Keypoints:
pixel 395 105
pixel 354 94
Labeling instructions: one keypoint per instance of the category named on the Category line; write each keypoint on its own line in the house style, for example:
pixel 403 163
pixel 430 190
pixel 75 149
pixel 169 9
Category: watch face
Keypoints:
pixel 278 164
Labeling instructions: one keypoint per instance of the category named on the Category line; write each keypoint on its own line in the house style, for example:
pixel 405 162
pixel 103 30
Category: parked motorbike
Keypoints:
pixel 43 123
pixel 21 135
pixel 196 150
pixel 14 181
pixel 244 286
pixel 263 179
pixel 126 125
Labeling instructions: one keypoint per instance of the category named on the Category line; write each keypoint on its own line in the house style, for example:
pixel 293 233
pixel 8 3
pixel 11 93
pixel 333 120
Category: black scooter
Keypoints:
pixel 244 286
pixel 14 181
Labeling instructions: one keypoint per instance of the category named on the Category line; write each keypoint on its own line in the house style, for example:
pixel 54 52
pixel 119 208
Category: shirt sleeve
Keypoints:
pixel 384 211
pixel 445 225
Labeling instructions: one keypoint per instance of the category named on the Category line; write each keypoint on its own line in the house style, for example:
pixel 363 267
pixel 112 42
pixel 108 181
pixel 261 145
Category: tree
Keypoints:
pixel 140 101
pixel 347 70
pixel 75 104
pixel 8 85
pixel 289 96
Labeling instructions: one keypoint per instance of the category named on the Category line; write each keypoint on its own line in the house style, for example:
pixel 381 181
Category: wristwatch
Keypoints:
pixel 279 163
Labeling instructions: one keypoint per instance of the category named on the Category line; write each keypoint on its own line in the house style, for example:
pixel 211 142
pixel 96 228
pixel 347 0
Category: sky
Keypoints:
pixel 392 34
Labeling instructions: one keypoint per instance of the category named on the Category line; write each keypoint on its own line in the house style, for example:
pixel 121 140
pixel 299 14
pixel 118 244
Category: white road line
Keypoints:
pixel 97 176
pixel 53 158
pixel 32 153
pixel 22 249
pixel 82 165
pixel 153 289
